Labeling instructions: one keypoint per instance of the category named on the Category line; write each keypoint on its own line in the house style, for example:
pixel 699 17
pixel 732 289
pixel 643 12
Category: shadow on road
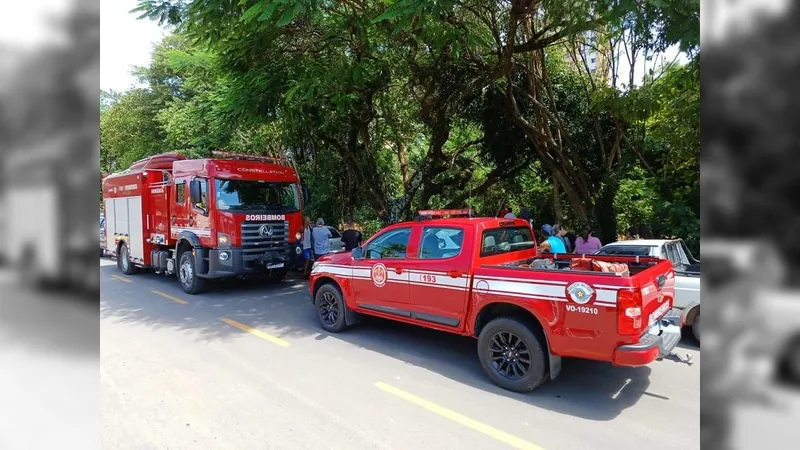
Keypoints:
pixel 586 389
pixel 48 320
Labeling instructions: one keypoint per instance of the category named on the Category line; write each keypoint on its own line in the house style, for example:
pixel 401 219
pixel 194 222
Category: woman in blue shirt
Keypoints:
pixel 553 244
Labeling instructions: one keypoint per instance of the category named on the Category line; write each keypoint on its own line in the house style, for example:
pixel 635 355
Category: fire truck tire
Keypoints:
pixel 330 308
pixel 124 263
pixel 503 346
pixel 187 275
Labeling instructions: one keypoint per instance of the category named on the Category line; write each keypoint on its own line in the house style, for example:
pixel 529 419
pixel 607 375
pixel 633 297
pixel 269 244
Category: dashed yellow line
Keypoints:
pixel 492 432
pixel 169 297
pixel 277 341
pixel 121 278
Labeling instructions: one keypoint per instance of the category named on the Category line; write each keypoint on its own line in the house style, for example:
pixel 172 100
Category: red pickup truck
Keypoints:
pixel 483 277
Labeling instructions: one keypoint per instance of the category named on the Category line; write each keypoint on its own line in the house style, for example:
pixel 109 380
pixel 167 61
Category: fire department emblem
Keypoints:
pixel 580 293
pixel 379 275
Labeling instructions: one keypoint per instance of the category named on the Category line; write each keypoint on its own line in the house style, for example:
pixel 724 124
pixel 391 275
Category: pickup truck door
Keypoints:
pixel 380 279
pixel 439 275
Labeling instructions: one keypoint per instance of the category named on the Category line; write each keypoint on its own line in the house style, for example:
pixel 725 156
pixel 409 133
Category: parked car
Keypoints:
pixel 335 242
pixel 484 278
pixel 687 272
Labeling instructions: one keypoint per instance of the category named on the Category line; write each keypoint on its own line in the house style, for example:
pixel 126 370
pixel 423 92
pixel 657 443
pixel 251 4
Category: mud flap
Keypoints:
pixel 350 317
pixel 555 365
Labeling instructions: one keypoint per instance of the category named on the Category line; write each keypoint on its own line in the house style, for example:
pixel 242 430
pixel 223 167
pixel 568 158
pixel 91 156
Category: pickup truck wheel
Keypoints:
pixel 696 327
pixel 512 355
pixel 330 308
pixel 187 274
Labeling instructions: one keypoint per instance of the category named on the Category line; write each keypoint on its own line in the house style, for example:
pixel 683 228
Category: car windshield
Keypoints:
pixel 255 195
pixel 509 239
pixel 630 250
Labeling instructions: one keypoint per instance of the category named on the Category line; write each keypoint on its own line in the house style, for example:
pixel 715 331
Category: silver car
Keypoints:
pixel 335 241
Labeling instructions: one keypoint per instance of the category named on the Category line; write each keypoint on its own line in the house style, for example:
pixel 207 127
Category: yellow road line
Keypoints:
pixel 169 297
pixel 277 341
pixel 121 278
pixel 492 432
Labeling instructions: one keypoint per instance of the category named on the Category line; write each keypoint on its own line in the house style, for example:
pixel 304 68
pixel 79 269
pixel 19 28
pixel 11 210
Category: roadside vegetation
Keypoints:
pixel 393 106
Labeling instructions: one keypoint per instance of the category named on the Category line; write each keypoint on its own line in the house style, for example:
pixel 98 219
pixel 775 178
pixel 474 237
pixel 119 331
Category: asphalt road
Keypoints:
pixel 246 365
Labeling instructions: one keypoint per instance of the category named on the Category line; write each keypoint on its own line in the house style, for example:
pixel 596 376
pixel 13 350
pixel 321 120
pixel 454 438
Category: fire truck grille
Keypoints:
pixel 256 241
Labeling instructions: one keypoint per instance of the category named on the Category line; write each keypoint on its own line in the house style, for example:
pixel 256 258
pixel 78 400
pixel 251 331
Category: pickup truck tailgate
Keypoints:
pixel 658 293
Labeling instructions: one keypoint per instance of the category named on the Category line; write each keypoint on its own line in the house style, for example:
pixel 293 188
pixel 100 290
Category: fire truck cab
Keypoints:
pixel 233 215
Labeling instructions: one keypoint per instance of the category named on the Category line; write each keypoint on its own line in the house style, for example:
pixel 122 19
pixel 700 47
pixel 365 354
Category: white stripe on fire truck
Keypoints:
pixel 197 231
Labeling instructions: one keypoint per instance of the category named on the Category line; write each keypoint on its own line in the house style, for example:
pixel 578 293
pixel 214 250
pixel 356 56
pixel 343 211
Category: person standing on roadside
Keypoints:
pixel 351 237
pixel 509 214
pixel 320 236
pixel 633 234
pixel 308 254
pixel 525 213
pixel 586 243
pixel 552 243
pixel 560 232
pixel 644 232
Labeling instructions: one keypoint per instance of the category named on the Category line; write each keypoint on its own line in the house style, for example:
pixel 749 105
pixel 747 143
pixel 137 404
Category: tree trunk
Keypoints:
pixel 557 202
pixel 604 210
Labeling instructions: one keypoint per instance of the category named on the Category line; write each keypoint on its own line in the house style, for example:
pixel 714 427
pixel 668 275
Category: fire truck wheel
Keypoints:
pixel 124 263
pixel 187 274
pixel 330 308
pixel 512 355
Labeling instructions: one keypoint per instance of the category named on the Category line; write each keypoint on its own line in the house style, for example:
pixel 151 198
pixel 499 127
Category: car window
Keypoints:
pixel 674 256
pixel 180 192
pixel 627 250
pixel 507 239
pixel 391 244
pixel 334 233
pixel 440 243
pixel 690 257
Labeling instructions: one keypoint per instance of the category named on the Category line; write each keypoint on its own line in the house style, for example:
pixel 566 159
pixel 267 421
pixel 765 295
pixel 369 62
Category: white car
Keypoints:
pixel 335 241
pixel 687 272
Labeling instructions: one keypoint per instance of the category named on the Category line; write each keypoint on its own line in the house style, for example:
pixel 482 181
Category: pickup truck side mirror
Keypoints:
pixel 357 253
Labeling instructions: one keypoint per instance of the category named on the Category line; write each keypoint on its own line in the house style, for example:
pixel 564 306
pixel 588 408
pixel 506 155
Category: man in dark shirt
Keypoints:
pixel 351 237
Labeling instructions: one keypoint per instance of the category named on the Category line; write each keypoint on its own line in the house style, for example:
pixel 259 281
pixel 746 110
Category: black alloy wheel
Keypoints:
pixel 513 353
pixel 328 309
pixel 509 355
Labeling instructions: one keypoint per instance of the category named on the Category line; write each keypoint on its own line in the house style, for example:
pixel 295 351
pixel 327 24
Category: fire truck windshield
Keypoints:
pixel 233 195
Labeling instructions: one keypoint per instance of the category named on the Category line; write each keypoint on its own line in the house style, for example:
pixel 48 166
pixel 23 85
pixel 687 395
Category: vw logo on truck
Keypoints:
pixel 265 230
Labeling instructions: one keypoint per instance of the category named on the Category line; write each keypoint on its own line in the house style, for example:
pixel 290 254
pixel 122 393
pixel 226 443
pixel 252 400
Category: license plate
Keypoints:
pixel 274 266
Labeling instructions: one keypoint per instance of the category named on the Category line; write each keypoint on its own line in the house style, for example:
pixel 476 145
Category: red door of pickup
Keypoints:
pixel 380 278
pixel 439 275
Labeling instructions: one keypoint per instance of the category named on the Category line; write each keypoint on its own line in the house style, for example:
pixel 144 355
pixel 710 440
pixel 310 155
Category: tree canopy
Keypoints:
pixel 389 106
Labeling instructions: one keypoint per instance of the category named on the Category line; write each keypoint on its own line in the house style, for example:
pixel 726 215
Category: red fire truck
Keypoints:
pixel 231 215
pixel 483 277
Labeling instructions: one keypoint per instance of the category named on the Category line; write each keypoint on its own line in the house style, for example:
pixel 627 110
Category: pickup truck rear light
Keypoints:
pixel 629 312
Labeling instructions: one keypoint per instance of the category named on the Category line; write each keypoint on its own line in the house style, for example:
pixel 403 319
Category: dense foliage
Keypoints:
pixel 390 106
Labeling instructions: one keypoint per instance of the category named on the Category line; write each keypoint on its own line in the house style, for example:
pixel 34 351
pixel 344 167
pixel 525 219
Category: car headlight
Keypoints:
pixel 298 235
pixel 223 240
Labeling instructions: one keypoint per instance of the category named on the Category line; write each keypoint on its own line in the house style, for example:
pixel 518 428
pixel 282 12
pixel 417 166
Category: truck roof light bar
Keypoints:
pixel 440 213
